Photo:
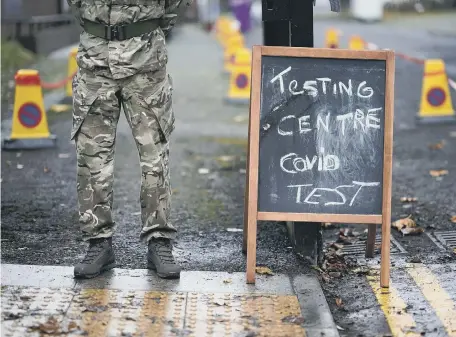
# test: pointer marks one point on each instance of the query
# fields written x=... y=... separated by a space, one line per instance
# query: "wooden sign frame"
x=251 y=214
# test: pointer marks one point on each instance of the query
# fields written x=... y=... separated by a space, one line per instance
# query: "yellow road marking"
x=441 y=302
x=90 y=309
x=393 y=306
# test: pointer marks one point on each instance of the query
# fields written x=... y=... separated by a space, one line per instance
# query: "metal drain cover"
x=447 y=239
x=359 y=248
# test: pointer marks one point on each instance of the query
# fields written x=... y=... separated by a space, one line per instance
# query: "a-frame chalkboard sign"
x=320 y=142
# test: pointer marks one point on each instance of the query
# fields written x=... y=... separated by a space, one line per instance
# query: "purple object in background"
x=241 y=9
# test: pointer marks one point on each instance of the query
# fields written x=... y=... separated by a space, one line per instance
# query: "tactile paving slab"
x=103 y=312
x=242 y=315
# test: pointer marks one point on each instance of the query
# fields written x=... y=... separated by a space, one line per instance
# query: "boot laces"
x=95 y=248
x=164 y=251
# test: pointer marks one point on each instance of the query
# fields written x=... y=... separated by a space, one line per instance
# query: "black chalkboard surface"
x=320 y=141
x=321 y=135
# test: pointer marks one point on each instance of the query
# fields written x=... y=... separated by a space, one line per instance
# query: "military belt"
x=120 y=32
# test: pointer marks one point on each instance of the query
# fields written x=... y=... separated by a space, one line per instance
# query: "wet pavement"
x=39 y=213
x=39 y=300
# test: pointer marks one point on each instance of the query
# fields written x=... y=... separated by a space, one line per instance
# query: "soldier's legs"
x=96 y=113
x=145 y=104
x=148 y=107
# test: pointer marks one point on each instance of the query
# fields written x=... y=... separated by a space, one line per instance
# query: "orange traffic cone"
x=30 y=127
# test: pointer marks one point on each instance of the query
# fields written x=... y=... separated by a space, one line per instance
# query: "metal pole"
x=290 y=23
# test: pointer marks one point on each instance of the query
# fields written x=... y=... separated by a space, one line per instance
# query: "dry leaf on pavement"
x=407 y=226
x=49 y=327
x=453 y=218
x=339 y=302
x=263 y=271
x=437 y=146
x=408 y=199
x=438 y=173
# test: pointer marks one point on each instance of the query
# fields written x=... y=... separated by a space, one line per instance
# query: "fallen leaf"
x=336 y=246
x=60 y=108
x=219 y=302
x=94 y=308
x=72 y=326
x=241 y=118
x=203 y=170
x=437 y=146
x=404 y=223
x=46 y=170
x=345 y=240
x=407 y=226
x=454 y=250
x=408 y=199
x=328 y=225
x=227 y=281
x=293 y=320
x=234 y=230
x=263 y=271
x=339 y=302
x=64 y=155
x=361 y=271
x=438 y=173
x=453 y=219
x=49 y=327
x=226 y=158
x=412 y=231
x=415 y=259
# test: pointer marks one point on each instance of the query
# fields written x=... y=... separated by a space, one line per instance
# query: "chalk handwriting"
x=323 y=84
x=292 y=163
x=331 y=196
x=358 y=120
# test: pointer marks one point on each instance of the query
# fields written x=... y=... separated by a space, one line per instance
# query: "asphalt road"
x=39 y=205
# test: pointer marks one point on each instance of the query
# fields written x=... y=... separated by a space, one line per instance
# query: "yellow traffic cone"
x=436 y=105
x=239 y=91
x=332 y=38
x=30 y=127
x=72 y=68
x=230 y=30
x=220 y=26
x=235 y=42
x=356 y=43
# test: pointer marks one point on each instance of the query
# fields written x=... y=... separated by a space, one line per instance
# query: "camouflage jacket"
x=124 y=58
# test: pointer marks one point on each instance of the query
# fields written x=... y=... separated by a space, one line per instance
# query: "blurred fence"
x=42 y=34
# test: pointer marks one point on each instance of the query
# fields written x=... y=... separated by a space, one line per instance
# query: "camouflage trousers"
x=146 y=99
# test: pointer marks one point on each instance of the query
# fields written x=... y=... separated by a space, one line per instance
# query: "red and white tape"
x=372 y=46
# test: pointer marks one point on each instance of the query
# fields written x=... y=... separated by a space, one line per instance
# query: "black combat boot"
x=160 y=258
x=99 y=258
